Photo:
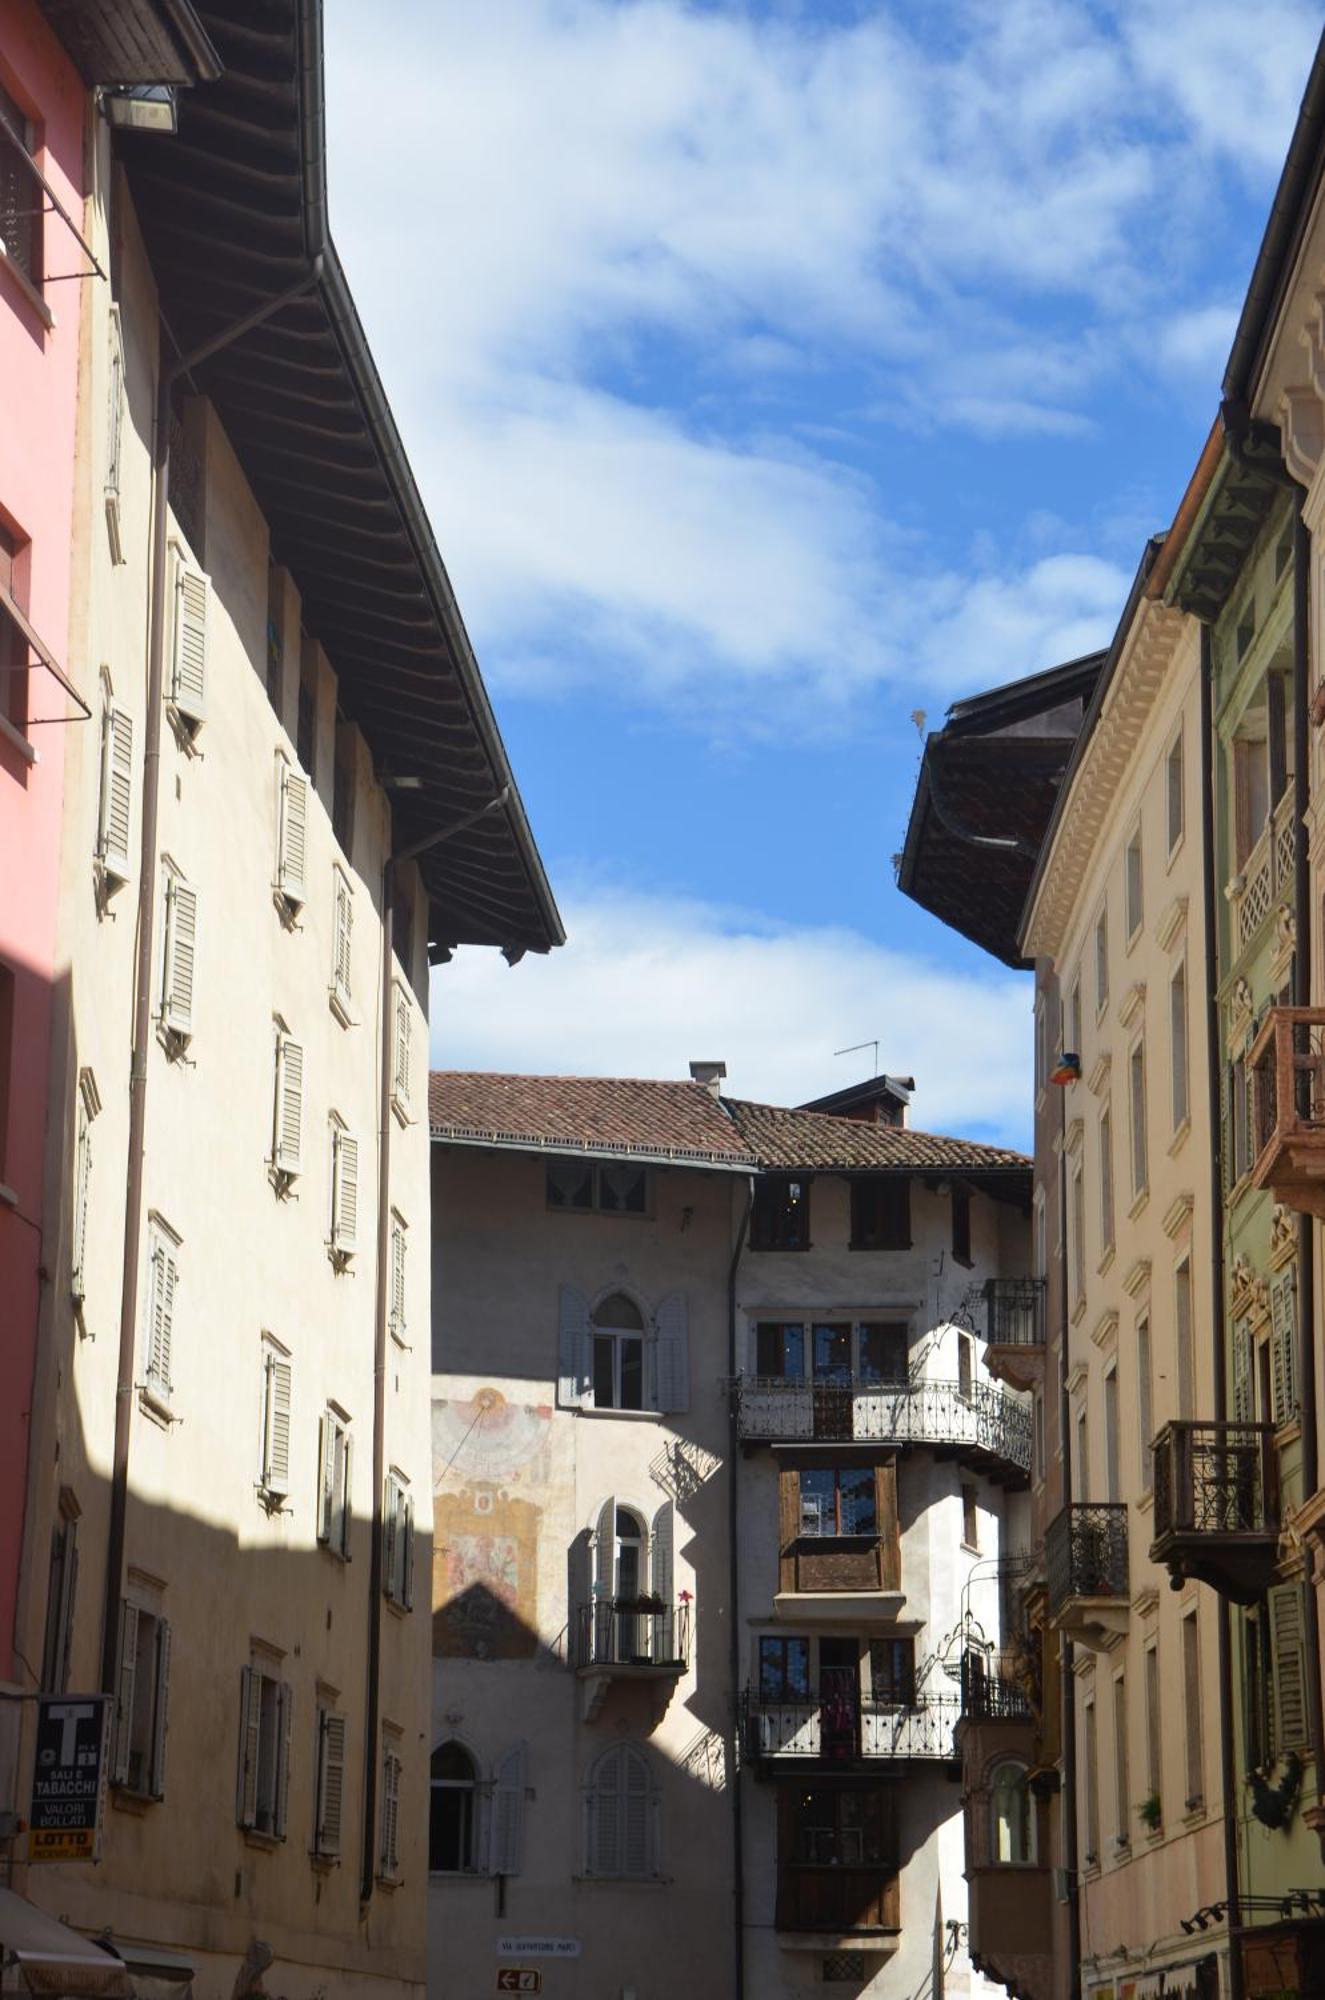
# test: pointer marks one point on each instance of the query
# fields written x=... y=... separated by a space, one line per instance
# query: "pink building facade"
x=43 y=113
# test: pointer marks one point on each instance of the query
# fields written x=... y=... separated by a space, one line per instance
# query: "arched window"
x=621 y=1837
x=454 y=1788
x=618 y=1354
x=1012 y=1814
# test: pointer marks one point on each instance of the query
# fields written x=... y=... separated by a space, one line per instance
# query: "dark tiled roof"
x=658 y=1119
x=809 y=1139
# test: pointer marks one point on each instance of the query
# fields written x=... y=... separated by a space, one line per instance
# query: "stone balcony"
x=980 y=1423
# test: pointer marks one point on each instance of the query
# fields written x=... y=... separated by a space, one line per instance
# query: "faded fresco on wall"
x=485 y=1538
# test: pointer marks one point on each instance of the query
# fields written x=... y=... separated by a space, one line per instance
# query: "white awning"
x=40 y=1955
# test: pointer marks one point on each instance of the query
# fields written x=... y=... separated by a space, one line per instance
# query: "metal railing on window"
x=1215 y=1479
x=637 y=1632
x=834 y=1727
x=983 y=1417
x=997 y=1687
x=1085 y=1552
x=1014 y=1312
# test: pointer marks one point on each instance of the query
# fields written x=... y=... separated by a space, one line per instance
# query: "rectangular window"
x=163 y=1247
x=1251 y=782
x=1041 y=1047
x=1102 y=962
x=1191 y=1690
x=403 y=1058
x=838 y=1500
x=22 y=200
x=142 y=1678
x=1154 y=1762
x=115 y=799
x=1178 y=1044
x=618 y=1364
x=1112 y=1473
x=179 y=953
x=14 y=661
x=1091 y=1800
x=1106 y=1180
x=1039 y=1436
x=784 y=1670
x=1133 y=885
x=1136 y=1086
x=961 y=1226
x=398 y=1541
x=780 y=1350
x=893 y=1672
x=344 y=1194
x=1039 y=1247
x=342 y=965
x=330 y=1789
x=189 y=633
x=306 y=722
x=335 y=1483
x=882 y=1352
x=1145 y=1408
x=1073 y=1046
x=287 y=1107
x=780 y=1219
x=274 y=1458
x=970 y=1517
x=881 y=1213
x=1077 y=1239
x=388 y=1853
x=1182 y=1332
x=1121 y=1785
x=266 y=1705
x=291 y=834
x=342 y=792
x=965 y=1365
x=396 y=1321
x=613 y=1189
x=60 y=1594
x=1173 y=798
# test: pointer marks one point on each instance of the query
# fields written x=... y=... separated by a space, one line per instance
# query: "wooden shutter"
x=673 y=1347
x=250 y=1744
x=400 y=1087
x=1242 y=1390
x=287 y=1145
x=390 y=1857
x=1288 y=1659
x=126 y=1671
x=326 y=1477
x=789 y=1524
x=161 y=1315
x=180 y=955
x=114 y=809
x=188 y=685
x=331 y=1781
x=293 y=833
x=160 y=1711
x=276 y=1441
x=114 y=437
x=1283 y=1345
x=344 y=928
x=82 y=1173
x=574 y=1369
x=890 y=1540
x=344 y=1190
x=663 y=1555
x=284 y=1719
x=604 y=1554
x=507 y=1850
x=398 y=1278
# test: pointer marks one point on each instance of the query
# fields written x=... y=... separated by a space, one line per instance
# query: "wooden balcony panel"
x=1216 y=1514
x=1288 y=1107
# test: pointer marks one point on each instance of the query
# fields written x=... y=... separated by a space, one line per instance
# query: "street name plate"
x=519 y=1979
x=68 y=1777
x=537 y=1947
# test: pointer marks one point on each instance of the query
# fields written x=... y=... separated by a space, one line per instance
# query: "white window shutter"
x=397 y=1278
x=604 y=1557
x=662 y=1554
x=331 y=1784
x=276 y=1446
x=82 y=1177
x=125 y=1678
x=344 y=1191
x=188 y=681
x=671 y=1329
x=326 y=1478
x=344 y=926
x=115 y=805
x=605 y=1815
x=161 y=1716
x=636 y=1845
x=1288 y=1658
x=507 y=1850
x=390 y=1537
x=181 y=942
x=287 y=1148
x=1242 y=1396
x=574 y=1367
x=284 y=1721
x=1283 y=1345
x=114 y=438
x=161 y=1318
x=292 y=836
x=250 y=1743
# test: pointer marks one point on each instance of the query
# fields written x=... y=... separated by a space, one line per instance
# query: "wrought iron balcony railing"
x=1014 y=1312
x=1085 y=1552
x=1217 y=1504
x=633 y=1635
x=834 y=1729
x=1287 y=1062
x=982 y=1419
x=997 y=1688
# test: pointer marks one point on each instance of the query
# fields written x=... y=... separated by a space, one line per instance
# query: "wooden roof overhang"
x=134 y=41
x=233 y=211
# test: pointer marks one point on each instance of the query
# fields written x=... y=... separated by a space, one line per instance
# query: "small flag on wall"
x=1067 y=1069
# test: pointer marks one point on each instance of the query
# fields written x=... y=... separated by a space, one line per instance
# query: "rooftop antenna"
x=861 y=1045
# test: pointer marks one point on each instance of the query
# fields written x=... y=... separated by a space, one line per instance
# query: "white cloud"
x=999 y=627
x=665 y=980
x=1234 y=73
x=1195 y=345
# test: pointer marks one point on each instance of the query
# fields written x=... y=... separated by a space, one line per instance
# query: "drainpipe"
x=1210 y=918
x=1306 y=1267
x=1067 y=1654
x=367 y=1873
x=734 y=1596
x=168 y=373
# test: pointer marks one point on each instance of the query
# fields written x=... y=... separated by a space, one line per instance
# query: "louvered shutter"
x=116 y=793
x=575 y=1350
x=284 y=1722
x=605 y=1815
x=344 y=920
x=1225 y=1129
x=161 y=1319
x=288 y=1144
x=1288 y=1657
x=345 y=1510
x=180 y=955
x=115 y=430
x=508 y=1813
x=1283 y=1345
x=663 y=1581
x=601 y=1615
x=391 y=1538
x=83 y=1171
x=188 y=687
x=398 y=1279
x=636 y=1842
x=390 y=1813
x=402 y=1048
x=331 y=1783
x=345 y=1191
x=161 y=1710
x=292 y=837
x=276 y=1452
x=407 y=1555
x=250 y=1745
x=326 y=1478
x=671 y=1330
x=1242 y=1396
x=126 y=1672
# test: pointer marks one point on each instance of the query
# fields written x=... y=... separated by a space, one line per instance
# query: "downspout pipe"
x=734 y=1597
x=394 y=862
x=1067 y=1678
x=1210 y=912
x=168 y=374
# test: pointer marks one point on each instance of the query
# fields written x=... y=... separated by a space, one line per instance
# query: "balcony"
x=1266 y=876
x=637 y=1640
x=1085 y=1552
x=981 y=1423
x=841 y=1732
x=1217 y=1506
x=998 y=1687
x=1287 y=1063
x=1014 y=1330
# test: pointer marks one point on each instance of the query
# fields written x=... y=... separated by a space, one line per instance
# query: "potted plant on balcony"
x=1151 y=1812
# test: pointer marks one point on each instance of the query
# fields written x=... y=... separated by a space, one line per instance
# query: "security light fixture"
x=143 y=107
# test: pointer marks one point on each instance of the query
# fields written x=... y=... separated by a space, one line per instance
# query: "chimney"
x=710 y=1074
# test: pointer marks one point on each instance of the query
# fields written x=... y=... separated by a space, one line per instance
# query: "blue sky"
x=773 y=374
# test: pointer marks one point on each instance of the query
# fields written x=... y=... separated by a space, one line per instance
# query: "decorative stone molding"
x=1241 y=1280
x=1178 y=1211
x=1172 y=921
x=1137 y=1278
x=1077 y=1379
x=1104 y=1333
x=1076 y=1132
x=1283 y=1235
x=1132 y=1005
x=1147 y=654
x=1099 y=1076
x=1146 y=1602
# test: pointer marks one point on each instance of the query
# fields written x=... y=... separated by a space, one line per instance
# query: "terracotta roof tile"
x=781 y=1138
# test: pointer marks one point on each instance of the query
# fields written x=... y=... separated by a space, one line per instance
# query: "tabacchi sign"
x=68 y=1777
